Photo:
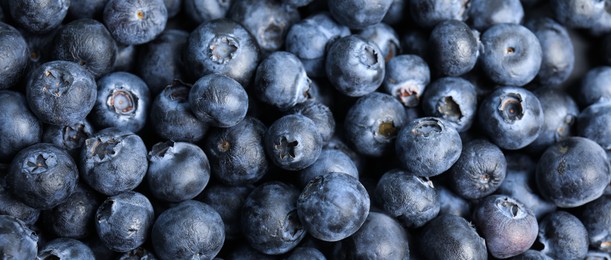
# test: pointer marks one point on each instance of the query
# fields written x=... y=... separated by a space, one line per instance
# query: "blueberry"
x=333 y=206
x=123 y=221
x=74 y=217
x=38 y=16
x=451 y=203
x=122 y=101
x=281 y=80
x=191 y=229
x=578 y=13
x=560 y=114
x=207 y=10
x=380 y=237
x=453 y=99
x=66 y=248
x=480 y=170
x=573 y=172
x=485 y=13
x=511 y=54
x=451 y=237
x=61 y=92
x=228 y=202
x=160 y=61
x=595 y=86
x=69 y=137
x=385 y=37
x=532 y=255
x=218 y=100
x=137 y=254
x=596 y=217
x=12 y=206
x=330 y=160
x=177 y=171
x=293 y=142
x=428 y=146
x=15 y=59
x=355 y=66
x=563 y=236
x=306 y=253
x=19 y=128
x=92 y=9
x=427 y=13
x=454 y=48
x=16 y=239
x=358 y=14
x=320 y=114
x=406 y=78
x=113 y=161
x=135 y=22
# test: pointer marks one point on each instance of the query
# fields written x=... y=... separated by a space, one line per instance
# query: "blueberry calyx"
x=369 y=57
x=223 y=49
x=57 y=82
x=273 y=32
x=160 y=150
x=73 y=136
x=428 y=127
x=450 y=109
x=179 y=94
x=286 y=148
x=387 y=129
x=511 y=108
x=40 y=163
x=105 y=210
x=291 y=227
x=224 y=146
x=425 y=181
x=123 y=101
x=140 y=15
x=408 y=94
x=102 y=148
x=510 y=208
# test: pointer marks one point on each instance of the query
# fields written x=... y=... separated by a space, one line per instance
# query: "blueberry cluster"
x=305 y=129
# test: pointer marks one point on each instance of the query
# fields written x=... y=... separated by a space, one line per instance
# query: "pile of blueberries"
x=305 y=129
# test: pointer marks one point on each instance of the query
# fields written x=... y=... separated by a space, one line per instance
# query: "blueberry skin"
x=453 y=99
x=508 y=226
x=42 y=176
x=309 y=38
x=203 y=11
x=14 y=59
x=191 y=229
x=224 y=47
x=358 y=14
x=333 y=206
x=406 y=78
x=487 y=13
x=306 y=253
x=380 y=237
x=228 y=202
x=563 y=236
x=138 y=254
x=330 y=160
x=451 y=203
x=218 y=100
x=558 y=53
x=74 y=217
x=172 y=117
x=573 y=172
x=479 y=171
x=532 y=255
x=135 y=22
x=451 y=237
x=578 y=13
x=355 y=66
x=372 y=123
x=123 y=101
x=92 y=9
x=19 y=128
x=453 y=47
x=160 y=60
x=512 y=54
x=66 y=248
x=293 y=142
x=177 y=171
x=113 y=161
x=385 y=37
x=88 y=43
x=511 y=117
x=596 y=217
x=427 y=13
x=560 y=113
x=38 y=16
x=281 y=80
x=412 y=200
x=237 y=154
x=123 y=221
x=68 y=137
x=428 y=146
x=61 y=92
x=16 y=239
x=595 y=86
x=12 y=206
x=321 y=115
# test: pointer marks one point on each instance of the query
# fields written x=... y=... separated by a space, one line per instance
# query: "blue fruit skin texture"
x=281 y=80
x=411 y=199
x=269 y=218
x=293 y=142
x=42 y=176
x=380 y=237
x=203 y=11
x=406 y=78
x=19 y=128
x=385 y=37
x=451 y=237
x=61 y=92
x=578 y=13
x=330 y=160
x=486 y=13
x=309 y=38
x=321 y=115
x=306 y=253
x=237 y=154
x=372 y=123
x=573 y=172
x=428 y=146
x=454 y=48
x=68 y=137
x=558 y=53
x=113 y=161
x=355 y=66
x=139 y=253
x=427 y=13
x=66 y=248
x=508 y=226
x=453 y=99
x=38 y=16
x=16 y=239
x=86 y=9
x=563 y=236
x=172 y=116
x=452 y=204
x=479 y=171
x=123 y=101
x=595 y=86
x=74 y=217
x=228 y=202
x=218 y=100
x=596 y=217
x=358 y=14
x=177 y=171
x=160 y=61
x=123 y=221
x=190 y=229
x=511 y=54
x=511 y=117
x=560 y=114
x=333 y=206
x=135 y=22
x=224 y=47
x=10 y=205
x=14 y=58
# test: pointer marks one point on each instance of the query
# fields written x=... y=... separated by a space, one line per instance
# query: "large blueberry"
x=453 y=99
x=38 y=16
x=16 y=239
x=454 y=48
x=358 y=14
x=134 y=21
x=19 y=128
x=281 y=80
x=218 y=100
x=563 y=236
x=15 y=59
x=406 y=78
x=293 y=142
x=380 y=237
x=451 y=237
x=480 y=169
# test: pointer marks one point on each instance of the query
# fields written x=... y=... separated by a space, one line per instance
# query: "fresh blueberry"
x=532 y=255
x=38 y=16
x=123 y=221
x=595 y=86
x=19 y=128
x=380 y=237
x=453 y=99
x=451 y=203
x=559 y=112
x=563 y=236
x=16 y=239
x=191 y=229
x=14 y=60
x=428 y=146
x=293 y=142
x=385 y=37
x=427 y=13
x=480 y=170
x=134 y=21
x=92 y=9
x=65 y=248
x=139 y=253
x=511 y=54
x=355 y=66
x=358 y=14
x=42 y=176
x=73 y=218
x=122 y=101
x=451 y=237
x=69 y=137
x=406 y=78
x=320 y=114
x=177 y=171
x=160 y=61
x=228 y=202
x=596 y=217
x=484 y=13
x=578 y=13
x=218 y=100
x=306 y=253
x=12 y=206
x=200 y=11
x=330 y=160
x=113 y=161
x=454 y=48
x=61 y=92
x=281 y=80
